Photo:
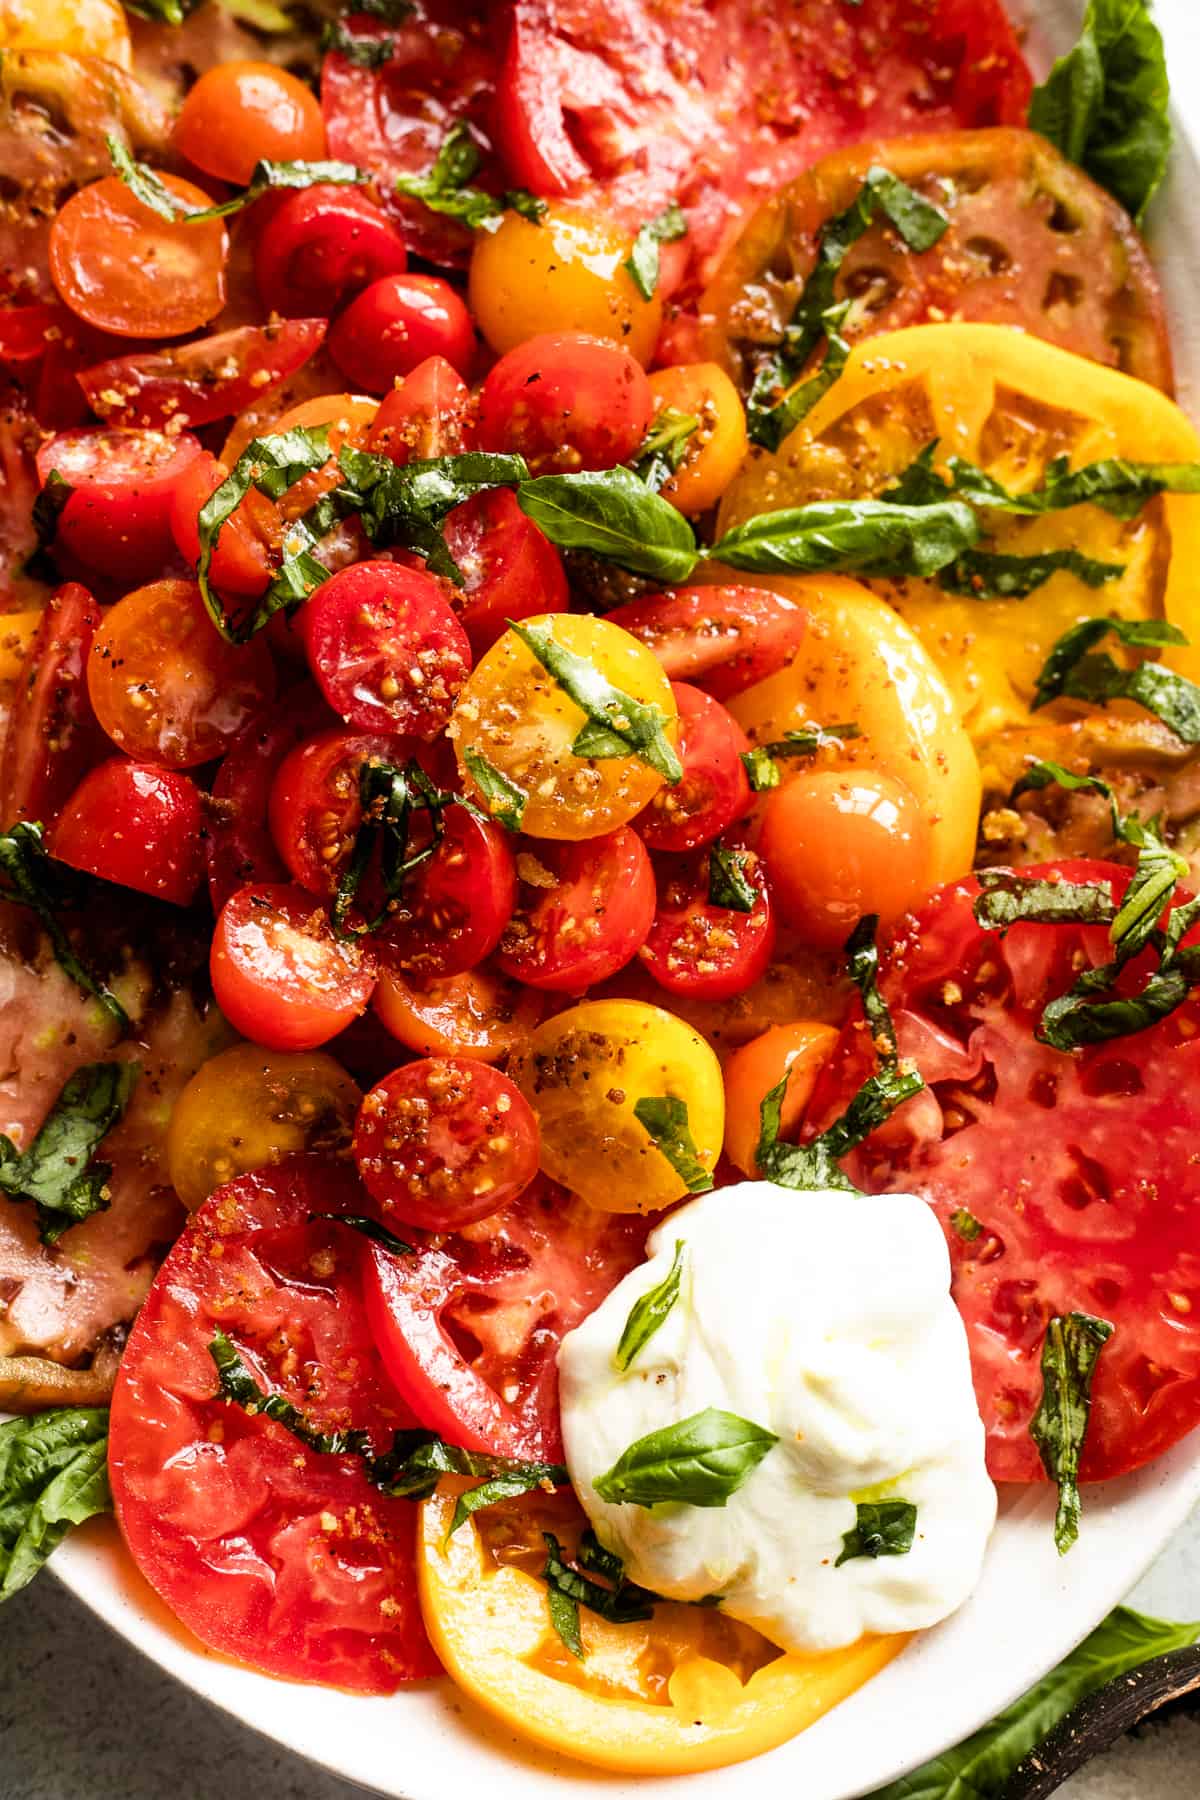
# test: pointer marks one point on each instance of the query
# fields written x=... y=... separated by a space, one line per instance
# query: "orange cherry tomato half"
x=798 y=1052
x=280 y=975
x=480 y=1013
x=241 y=113
x=137 y=825
x=125 y=270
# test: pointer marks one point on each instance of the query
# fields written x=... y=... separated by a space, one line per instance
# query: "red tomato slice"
x=193 y=384
x=280 y=975
x=320 y=246
x=454 y=906
x=704 y=952
x=725 y=638
x=247 y=547
x=118 y=518
x=239 y=846
x=125 y=270
x=469 y=1326
x=276 y=1555
x=315 y=809
x=1077 y=1168
x=424 y=415
x=566 y=401
x=583 y=909
x=137 y=825
x=52 y=737
x=715 y=789
x=510 y=570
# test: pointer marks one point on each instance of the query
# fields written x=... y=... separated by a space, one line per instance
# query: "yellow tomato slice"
x=686 y=1691
x=84 y=27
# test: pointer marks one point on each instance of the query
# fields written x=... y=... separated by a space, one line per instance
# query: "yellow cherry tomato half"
x=517 y=716
x=584 y=1072
x=248 y=1108
x=798 y=1051
x=684 y=1691
x=564 y=272
x=712 y=453
x=83 y=27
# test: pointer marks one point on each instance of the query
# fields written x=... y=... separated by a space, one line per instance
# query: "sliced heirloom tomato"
x=137 y=825
x=724 y=638
x=280 y=975
x=210 y=378
x=582 y=911
x=715 y=790
x=108 y=252
x=1067 y=1173
x=281 y=1557
x=117 y=518
x=469 y=1324
x=698 y=948
x=52 y=737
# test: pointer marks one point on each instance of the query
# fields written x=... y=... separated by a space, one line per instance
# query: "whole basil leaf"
x=1070 y=1351
x=871 y=537
x=614 y=515
x=701 y=1461
x=881 y=1528
x=618 y=724
x=57 y=1174
x=30 y=878
x=649 y=1311
x=53 y=1474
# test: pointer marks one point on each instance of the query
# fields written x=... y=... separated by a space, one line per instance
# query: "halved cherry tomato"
x=798 y=1052
x=247 y=543
x=315 y=809
x=469 y=1326
x=582 y=911
x=118 y=517
x=714 y=450
x=193 y=384
x=445 y=1141
x=239 y=846
x=385 y=648
x=241 y=113
x=566 y=401
x=108 y=254
x=166 y=685
x=268 y=1551
x=137 y=825
x=423 y=415
x=391 y=327
x=320 y=246
x=280 y=975
x=510 y=570
x=698 y=949
x=715 y=790
x=23 y=331
x=52 y=737
x=479 y=1013
x=455 y=906
x=726 y=638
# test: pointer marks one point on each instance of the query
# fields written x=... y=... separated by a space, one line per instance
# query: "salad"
x=598 y=832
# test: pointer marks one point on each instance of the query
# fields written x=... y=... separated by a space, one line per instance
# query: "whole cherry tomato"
x=393 y=325
x=566 y=401
x=241 y=113
x=137 y=825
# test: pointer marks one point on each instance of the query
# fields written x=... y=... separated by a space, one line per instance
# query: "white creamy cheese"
x=825 y=1318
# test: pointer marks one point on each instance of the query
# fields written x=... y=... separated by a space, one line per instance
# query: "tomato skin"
x=715 y=790
x=385 y=648
x=391 y=327
x=249 y=1536
x=582 y=916
x=193 y=384
x=279 y=974
x=724 y=638
x=239 y=846
x=241 y=113
x=566 y=401
x=455 y=906
x=137 y=825
x=23 y=331
x=479 y=1013
x=701 y=951
x=320 y=246
x=52 y=736
x=799 y=1052
x=241 y=560
x=314 y=806
x=107 y=253
x=118 y=519
x=717 y=447
x=511 y=570
x=424 y=415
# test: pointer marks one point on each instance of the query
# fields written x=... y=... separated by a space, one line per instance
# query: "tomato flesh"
x=696 y=949
x=193 y=384
x=479 y=1013
x=315 y=806
x=239 y=847
x=52 y=737
x=280 y=975
x=715 y=790
x=137 y=825
x=424 y=415
x=320 y=246
x=724 y=638
x=454 y=907
x=117 y=520
x=583 y=909
x=108 y=253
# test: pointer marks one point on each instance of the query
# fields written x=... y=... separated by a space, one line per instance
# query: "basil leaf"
x=872 y=537
x=53 y=1474
x=1044 y=774
x=162 y=12
x=965 y=1224
x=568 y=1590
x=882 y=1528
x=564 y=1613
x=56 y=1173
x=360 y=52
x=661 y=452
x=143 y=183
x=392 y=12
x=728 y=885
x=407 y=504
x=862 y=966
x=505 y=800
x=28 y=877
x=643 y=261
x=701 y=1461
x=1119 y=487
x=266 y=177
x=368 y=1228
x=237 y=1385
x=1105 y=104
x=982 y=1764
x=769 y=425
x=445 y=188
x=1070 y=1351
x=991 y=575
x=1073 y=670
x=1158 y=870
x=614 y=515
x=618 y=725
x=648 y=1312
x=520 y=1479
x=1075 y=1020
x=1008 y=899
x=272 y=465
x=388 y=798
x=760 y=762
x=666 y=1120
x=520 y=200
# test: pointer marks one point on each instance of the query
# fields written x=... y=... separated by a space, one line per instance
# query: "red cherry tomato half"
x=109 y=255
x=193 y=384
x=385 y=648
x=23 y=331
x=240 y=848
x=52 y=737
x=244 y=554
x=322 y=245
x=137 y=825
x=715 y=790
x=393 y=325
x=315 y=809
x=726 y=638
x=510 y=570
x=274 y=1554
x=566 y=401
x=424 y=415
x=444 y=1141
x=166 y=685
x=118 y=517
x=453 y=907
x=583 y=910
x=469 y=1326
x=280 y=975
x=701 y=951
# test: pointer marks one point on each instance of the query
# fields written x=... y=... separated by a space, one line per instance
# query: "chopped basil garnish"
x=1008 y=898
x=563 y=1607
x=57 y=1174
x=267 y=177
x=869 y=537
x=624 y=1603
x=643 y=262
x=47 y=511
x=445 y=187
x=406 y=504
x=761 y=762
x=965 y=1224
x=1070 y=1352
x=238 y=1385
x=1076 y=670
x=1117 y=486
x=530 y=206
x=28 y=877
x=648 y=1312
x=362 y=52
x=615 y=515
x=661 y=452
x=882 y=1528
x=505 y=800
x=728 y=883
x=53 y=1474
x=992 y=575
x=701 y=1461
x=666 y=1120
x=618 y=724
x=368 y=1228
x=389 y=797
x=272 y=465
x=770 y=425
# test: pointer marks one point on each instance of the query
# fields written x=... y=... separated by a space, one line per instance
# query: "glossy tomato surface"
x=239 y=846
x=510 y=570
x=51 y=737
x=566 y=401
x=136 y=824
x=320 y=247
x=724 y=638
x=715 y=790
x=582 y=911
x=209 y=378
x=117 y=516
x=699 y=946
x=280 y=974
x=452 y=908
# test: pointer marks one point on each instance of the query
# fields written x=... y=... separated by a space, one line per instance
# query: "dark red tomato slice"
x=137 y=825
x=280 y=975
x=725 y=638
x=1078 y=1168
x=248 y=544
x=239 y=846
x=395 y=325
x=385 y=648
x=271 y=1553
x=510 y=570
x=582 y=911
x=20 y=436
x=453 y=907
x=566 y=401
x=52 y=737
x=393 y=119
x=715 y=790
x=314 y=808
x=320 y=246
x=445 y=1141
x=210 y=378
x=469 y=1327
x=701 y=951
x=423 y=415
x=118 y=517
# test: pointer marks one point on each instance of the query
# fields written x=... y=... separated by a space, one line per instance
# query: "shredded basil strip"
x=728 y=884
x=388 y=798
x=505 y=801
x=994 y=575
x=407 y=503
x=147 y=186
x=271 y=464
x=761 y=762
x=881 y=1528
x=665 y=1118
x=47 y=511
x=1070 y=1352
x=28 y=877
x=567 y=1590
x=368 y=1228
x=701 y=1461
x=53 y=1474
x=618 y=724
x=642 y=264
x=1118 y=486
x=613 y=514
x=1076 y=670
x=57 y=1173
x=662 y=451
x=445 y=187
x=649 y=1311
x=1008 y=898
x=361 y=52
